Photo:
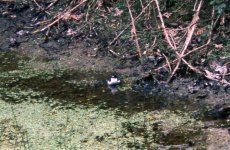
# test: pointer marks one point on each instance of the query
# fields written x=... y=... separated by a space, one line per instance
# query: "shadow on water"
x=71 y=88
x=90 y=88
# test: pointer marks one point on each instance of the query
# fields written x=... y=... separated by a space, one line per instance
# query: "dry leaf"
x=76 y=17
x=70 y=32
x=172 y=32
x=118 y=12
x=218 y=46
x=167 y=14
x=99 y=3
x=222 y=20
x=211 y=75
x=225 y=82
x=102 y=14
x=222 y=69
x=199 y=31
x=66 y=16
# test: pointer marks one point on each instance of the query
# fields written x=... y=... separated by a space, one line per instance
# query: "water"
x=141 y=120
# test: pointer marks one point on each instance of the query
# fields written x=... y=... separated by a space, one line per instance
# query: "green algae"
x=43 y=106
x=42 y=127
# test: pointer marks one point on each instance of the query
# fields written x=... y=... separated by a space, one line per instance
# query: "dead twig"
x=134 y=33
x=171 y=42
x=114 y=53
x=191 y=30
x=209 y=75
x=198 y=48
x=51 y=4
x=168 y=63
x=163 y=25
x=142 y=6
x=39 y=6
x=118 y=36
x=59 y=17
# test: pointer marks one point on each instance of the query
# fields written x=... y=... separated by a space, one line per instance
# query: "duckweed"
x=43 y=107
x=38 y=126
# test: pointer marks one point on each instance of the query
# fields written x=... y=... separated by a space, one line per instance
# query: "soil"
x=82 y=52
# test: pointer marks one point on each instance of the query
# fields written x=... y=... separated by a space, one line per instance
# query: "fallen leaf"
x=172 y=32
x=225 y=82
x=70 y=32
x=211 y=75
x=167 y=14
x=66 y=16
x=76 y=17
x=118 y=12
x=218 y=46
x=222 y=69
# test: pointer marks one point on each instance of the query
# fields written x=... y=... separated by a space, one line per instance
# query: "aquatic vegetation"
x=87 y=127
x=44 y=107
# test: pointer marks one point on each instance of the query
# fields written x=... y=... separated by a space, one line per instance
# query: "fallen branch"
x=180 y=56
x=192 y=51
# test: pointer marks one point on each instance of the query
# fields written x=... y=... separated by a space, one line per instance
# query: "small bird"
x=113 y=81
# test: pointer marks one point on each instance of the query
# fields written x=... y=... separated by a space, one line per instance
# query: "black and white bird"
x=113 y=81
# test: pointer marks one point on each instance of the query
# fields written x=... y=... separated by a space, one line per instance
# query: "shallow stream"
x=43 y=106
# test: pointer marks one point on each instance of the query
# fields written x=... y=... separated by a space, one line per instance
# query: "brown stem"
x=143 y=10
x=134 y=33
x=60 y=17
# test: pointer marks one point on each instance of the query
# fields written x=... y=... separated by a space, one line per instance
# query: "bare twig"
x=163 y=25
x=51 y=4
x=59 y=17
x=191 y=30
x=194 y=8
x=182 y=54
x=198 y=48
x=205 y=73
x=192 y=51
x=118 y=36
x=38 y=4
x=114 y=53
x=168 y=63
x=142 y=6
x=154 y=42
x=134 y=33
